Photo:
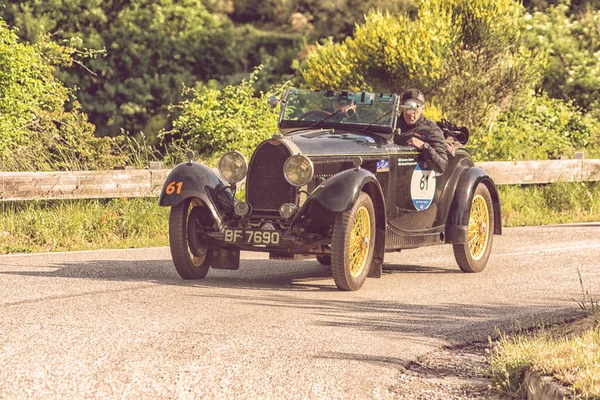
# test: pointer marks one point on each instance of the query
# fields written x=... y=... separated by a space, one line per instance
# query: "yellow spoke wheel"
x=478 y=231
x=352 y=244
x=359 y=242
x=473 y=255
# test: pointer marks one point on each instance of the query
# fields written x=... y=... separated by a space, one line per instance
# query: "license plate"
x=252 y=237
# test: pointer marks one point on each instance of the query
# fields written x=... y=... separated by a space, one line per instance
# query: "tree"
x=212 y=121
x=152 y=47
x=467 y=54
x=572 y=44
x=37 y=132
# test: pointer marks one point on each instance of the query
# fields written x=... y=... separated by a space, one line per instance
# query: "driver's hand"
x=345 y=108
x=418 y=143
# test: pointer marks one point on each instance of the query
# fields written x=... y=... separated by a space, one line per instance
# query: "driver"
x=421 y=132
x=344 y=107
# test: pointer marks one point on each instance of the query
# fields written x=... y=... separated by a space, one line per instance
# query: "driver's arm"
x=435 y=151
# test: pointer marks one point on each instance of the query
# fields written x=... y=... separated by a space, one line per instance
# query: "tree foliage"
x=155 y=46
x=572 y=44
x=468 y=54
x=212 y=121
x=537 y=127
x=37 y=132
x=314 y=18
x=482 y=64
x=152 y=47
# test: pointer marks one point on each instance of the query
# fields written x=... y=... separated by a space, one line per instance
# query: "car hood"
x=334 y=142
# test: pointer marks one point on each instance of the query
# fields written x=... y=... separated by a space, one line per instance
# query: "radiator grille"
x=266 y=188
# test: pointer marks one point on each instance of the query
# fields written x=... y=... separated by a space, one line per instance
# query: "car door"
x=413 y=192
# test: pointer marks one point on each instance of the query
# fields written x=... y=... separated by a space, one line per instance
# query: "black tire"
x=324 y=260
x=352 y=244
x=190 y=251
x=473 y=255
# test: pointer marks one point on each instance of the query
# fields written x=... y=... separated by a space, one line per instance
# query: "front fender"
x=339 y=192
x=197 y=180
x=458 y=217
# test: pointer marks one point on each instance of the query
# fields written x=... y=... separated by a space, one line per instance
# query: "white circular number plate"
x=422 y=187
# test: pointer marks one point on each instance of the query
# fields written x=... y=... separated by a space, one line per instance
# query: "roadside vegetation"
x=41 y=226
x=557 y=203
x=104 y=84
x=567 y=352
x=38 y=226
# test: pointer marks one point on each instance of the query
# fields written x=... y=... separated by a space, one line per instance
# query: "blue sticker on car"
x=383 y=166
x=369 y=139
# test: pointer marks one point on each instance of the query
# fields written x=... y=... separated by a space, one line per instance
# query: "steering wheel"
x=315 y=113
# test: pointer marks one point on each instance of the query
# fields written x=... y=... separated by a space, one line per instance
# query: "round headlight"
x=233 y=166
x=242 y=208
x=298 y=170
x=287 y=210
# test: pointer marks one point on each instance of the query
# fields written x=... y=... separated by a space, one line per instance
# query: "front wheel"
x=352 y=244
x=190 y=249
x=473 y=255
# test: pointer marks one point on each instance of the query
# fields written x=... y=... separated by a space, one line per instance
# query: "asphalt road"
x=122 y=324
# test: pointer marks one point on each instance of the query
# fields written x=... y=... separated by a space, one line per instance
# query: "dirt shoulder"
x=461 y=372
x=447 y=374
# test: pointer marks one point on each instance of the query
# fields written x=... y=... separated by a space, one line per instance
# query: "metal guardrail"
x=148 y=183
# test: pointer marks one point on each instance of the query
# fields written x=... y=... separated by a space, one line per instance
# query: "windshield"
x=324 y=108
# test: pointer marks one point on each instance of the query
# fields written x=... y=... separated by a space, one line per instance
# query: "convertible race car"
x=331 y=184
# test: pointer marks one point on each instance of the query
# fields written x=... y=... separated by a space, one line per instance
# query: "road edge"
x=541 y=387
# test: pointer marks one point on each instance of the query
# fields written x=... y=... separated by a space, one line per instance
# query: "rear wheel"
x=190 y=248
x=473 y=255
x=352 y=244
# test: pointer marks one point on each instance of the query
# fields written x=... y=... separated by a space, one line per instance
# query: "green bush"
x=536 y=128
x=213 y=121
x=152 y=47
x=572 y=44
x=37 y=130
x=468 y=55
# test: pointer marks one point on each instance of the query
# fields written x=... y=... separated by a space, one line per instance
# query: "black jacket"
x=427 y=131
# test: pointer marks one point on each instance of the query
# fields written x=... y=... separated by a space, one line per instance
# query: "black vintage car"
x=330 y=184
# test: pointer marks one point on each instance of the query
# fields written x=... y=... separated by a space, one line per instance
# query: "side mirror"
x=272 y=101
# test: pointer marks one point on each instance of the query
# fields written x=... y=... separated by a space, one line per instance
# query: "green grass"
x=569 y=353
x=37 y=226
x=555 y=203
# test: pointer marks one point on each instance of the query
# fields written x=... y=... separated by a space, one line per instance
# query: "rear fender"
x=196 y=180
x=458 y=217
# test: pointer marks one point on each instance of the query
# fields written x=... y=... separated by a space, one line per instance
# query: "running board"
x=396 y=239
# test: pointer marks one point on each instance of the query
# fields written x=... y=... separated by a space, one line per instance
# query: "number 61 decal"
x=174 y=187
x=422 y=187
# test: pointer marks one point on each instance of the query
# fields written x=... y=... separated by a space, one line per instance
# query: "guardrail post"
x=580 y=156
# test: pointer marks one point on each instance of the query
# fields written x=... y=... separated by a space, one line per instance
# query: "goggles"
x=410 y=106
